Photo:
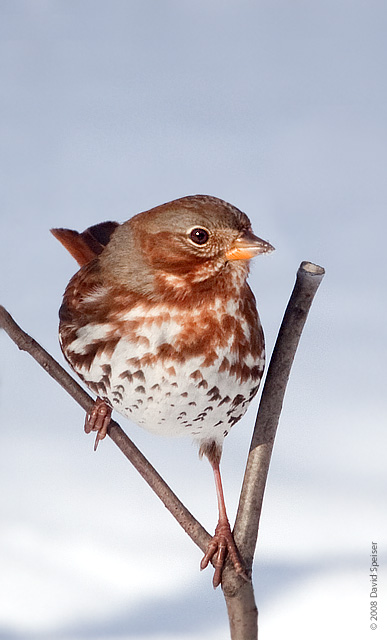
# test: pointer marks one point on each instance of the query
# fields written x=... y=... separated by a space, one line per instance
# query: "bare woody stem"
x=239 y=596
x=25 y=343
x=309 y=277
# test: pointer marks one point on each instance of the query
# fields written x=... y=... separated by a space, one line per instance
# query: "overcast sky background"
x=279 y=107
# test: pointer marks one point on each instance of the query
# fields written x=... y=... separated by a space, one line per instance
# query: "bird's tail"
x=87 y=245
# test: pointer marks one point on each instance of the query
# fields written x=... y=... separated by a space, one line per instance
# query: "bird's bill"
x=247 y=246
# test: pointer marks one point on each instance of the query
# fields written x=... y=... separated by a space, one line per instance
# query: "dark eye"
x=199 y=236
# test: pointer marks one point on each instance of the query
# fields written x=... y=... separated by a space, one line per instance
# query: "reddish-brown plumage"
x=85 y=246
x=161 y=324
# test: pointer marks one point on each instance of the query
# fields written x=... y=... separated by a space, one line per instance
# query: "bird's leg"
x=223 y=541
x=98 y=419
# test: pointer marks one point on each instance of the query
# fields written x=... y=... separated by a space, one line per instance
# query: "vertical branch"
x=309 y=277
x=239 y=595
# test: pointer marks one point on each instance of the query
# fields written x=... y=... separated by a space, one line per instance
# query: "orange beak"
x=247 y=246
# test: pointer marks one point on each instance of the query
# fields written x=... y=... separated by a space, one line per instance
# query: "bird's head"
x=180 y=245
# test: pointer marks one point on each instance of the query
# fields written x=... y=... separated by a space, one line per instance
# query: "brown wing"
x=87 y=245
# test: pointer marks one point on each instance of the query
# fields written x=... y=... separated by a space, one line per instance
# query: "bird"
x=161 y=325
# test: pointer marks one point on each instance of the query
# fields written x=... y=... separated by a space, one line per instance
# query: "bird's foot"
x=219 y=546
x=98 y=419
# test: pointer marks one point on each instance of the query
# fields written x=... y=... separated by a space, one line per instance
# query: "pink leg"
x=223 y=541
x=98 y=419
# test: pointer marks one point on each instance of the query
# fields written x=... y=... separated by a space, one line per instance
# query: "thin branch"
x=239 y=596
x=187 y=521
x=309 y=277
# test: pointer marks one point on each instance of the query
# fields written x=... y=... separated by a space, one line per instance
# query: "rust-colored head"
x=174 y=246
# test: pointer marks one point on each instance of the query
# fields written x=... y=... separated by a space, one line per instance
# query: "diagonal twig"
x=190 y=525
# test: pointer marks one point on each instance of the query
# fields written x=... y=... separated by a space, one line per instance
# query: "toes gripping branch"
x=98 y=419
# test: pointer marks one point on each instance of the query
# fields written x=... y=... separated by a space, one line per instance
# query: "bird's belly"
x=177 y=398
x=176 y=406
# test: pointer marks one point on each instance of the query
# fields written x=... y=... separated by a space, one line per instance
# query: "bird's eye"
x=199 y=236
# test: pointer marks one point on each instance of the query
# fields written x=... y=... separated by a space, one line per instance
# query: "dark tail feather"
x=87 y=245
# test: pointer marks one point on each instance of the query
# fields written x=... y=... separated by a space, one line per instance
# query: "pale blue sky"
x=110 y=108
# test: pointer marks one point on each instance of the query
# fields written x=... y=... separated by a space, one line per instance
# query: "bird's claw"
x=98 y=419
x=219 y=546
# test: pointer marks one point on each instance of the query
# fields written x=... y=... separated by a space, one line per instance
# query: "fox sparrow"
x=160 y=323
